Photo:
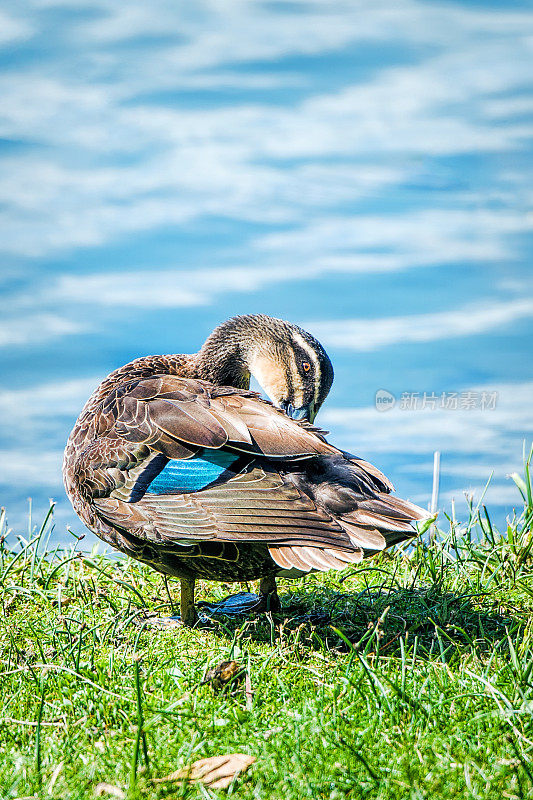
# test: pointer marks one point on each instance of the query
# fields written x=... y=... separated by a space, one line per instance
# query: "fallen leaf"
x=108 y=788
x=222 y=674
x=217 y=772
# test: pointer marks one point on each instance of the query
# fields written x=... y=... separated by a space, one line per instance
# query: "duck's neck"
x=224 y=358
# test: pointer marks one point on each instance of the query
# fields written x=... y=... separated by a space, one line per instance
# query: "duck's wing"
x=178 y=462
x=169 y=412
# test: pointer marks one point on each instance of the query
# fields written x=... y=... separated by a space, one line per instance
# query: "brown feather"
x=278 y=554
x=294 y=560
x=349 y=558
x=360 y=517
x=367 y=538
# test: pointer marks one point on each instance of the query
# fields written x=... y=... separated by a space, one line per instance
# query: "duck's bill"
x=306 y=412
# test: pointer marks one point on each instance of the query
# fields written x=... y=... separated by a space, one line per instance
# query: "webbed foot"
x=241 y=603
x=188 y=616
x=235 y=605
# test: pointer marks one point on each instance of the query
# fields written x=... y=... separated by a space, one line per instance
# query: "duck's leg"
x=188 y=615
x=268 y=594
x=187 y=609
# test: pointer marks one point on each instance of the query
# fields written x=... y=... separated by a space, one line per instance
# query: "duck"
x=175 y=462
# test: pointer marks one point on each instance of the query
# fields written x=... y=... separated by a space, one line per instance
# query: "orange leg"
x=187 y=609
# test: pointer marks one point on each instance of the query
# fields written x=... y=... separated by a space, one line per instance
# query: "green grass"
x=410 y=676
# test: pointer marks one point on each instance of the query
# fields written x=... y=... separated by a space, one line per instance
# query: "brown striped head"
x=291 y=366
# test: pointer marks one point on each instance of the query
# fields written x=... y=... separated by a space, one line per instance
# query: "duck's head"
x=291 y=366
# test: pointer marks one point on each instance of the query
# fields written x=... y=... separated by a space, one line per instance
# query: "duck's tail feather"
x=381 y=521
x=309 y=559
x=374 y=525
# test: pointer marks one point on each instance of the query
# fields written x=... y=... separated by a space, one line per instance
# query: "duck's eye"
x=306 y=366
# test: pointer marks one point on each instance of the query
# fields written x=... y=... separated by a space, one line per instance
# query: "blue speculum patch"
x=192 y=475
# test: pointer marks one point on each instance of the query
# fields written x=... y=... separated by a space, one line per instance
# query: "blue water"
x=363 y=169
